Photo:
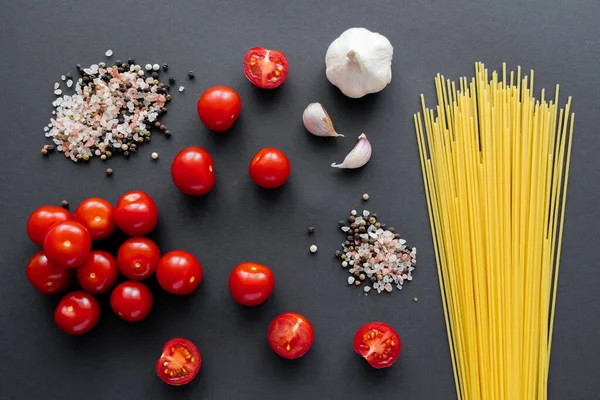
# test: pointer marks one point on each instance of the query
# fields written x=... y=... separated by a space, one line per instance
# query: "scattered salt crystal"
x=366 y=213
x=108 y=53
x=69 y=83
x=388 y=287
x=58 y=92
x=367 y=289
x=181 y=88
x=62 y=77
x=351 y=280
x=345 y=228
x=56 y=85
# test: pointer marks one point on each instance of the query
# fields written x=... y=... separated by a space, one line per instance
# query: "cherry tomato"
x=136 y=214
x=131 y=301
x=77 y=313
x=67 y=244
x=290 y=335
x=98 y=216
x=219 y=107
x=45 y=277
x=378 y=343
x=98 y=273
x=179 y=272
x=137 y=258
x=179 y=362
x=193 y=171
x=266 y=69
x=269 y=168
x=41 y=220
x=251 y=284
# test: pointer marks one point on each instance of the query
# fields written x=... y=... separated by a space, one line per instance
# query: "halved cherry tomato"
x=136 y=213
x=219 y=107
x=378 y=343
x=67 y=244
x=137 y=258
x=41 y=220
x=131 y=300
x=179 y=272
x=179 y=362
x=266 y=69
x=98 y=216
x=45 y=277
x=77 y=313
x=290 y=335
x=98 y=273
x=269 y=168
x=251 y=284
x=193 y=171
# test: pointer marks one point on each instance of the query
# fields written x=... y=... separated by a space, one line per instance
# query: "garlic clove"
x=358 y=156
x=317 y=121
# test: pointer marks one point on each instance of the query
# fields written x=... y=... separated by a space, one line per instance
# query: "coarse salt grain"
x=108 y=53
x=69 y=83
x=58 y=92
x=181 y=88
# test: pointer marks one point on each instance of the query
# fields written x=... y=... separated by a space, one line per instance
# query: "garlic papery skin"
x=317 y=121
x=359 y=62
x=358 y=156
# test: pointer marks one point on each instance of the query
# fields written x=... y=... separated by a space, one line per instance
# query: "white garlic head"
x=359 y=62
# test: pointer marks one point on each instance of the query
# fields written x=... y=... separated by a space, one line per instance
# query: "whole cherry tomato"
x=98 y=273
x=266 y=69
x=269 y=168
x=290 y=335
x=219 y=107
x=179 y=362
x=179 y=272
x=77 y=313
x=45 y=277
x=193 y=171
x=137 y=258
x=136 y=214
x=41 y=220
x=67 y=244
x=251 y=284
x=98 y=216
x=131 y=301
x=378 y=343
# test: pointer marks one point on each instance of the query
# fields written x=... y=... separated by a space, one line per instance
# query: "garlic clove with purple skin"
x=358 y=156
x=317 y=121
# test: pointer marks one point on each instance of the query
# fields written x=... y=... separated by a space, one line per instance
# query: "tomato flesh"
x=136 y=213
x=179 y=362
x=193 y=171
x=77 y=313
x=378 y=343
x=137 y=258
x=270 y=168
x=41 y=220
x=67 y=244
x=251 y=284
x=265 y=68
x=179 y=272
x=290 y=335
x=218 y=108
x=98 y=216
x=45 y=277
x=98 y=273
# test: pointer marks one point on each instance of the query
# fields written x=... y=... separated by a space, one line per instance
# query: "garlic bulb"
x=358 y=156
x=317 y=121
x=359 y=62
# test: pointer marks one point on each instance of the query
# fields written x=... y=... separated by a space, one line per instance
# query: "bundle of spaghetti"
x=495 y=165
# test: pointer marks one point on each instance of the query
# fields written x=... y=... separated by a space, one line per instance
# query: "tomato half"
x=41 y=220
x=265 y=68
x=179 y=362
x=251 y=284
x=131 y=300
x=136 y=213
x=98 y=273
x=290 y=335
x=137 y=258
x=378 y=343
x=98 y=216
x=77 y=313
x=219 y=107
x=179 y=272
x=45 y=277
x=269 y=168
x=67 y=244
x=193 y=171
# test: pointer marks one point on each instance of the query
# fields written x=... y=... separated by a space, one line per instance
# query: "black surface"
x=40 y=40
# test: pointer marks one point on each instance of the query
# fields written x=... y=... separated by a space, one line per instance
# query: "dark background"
x=236 y=222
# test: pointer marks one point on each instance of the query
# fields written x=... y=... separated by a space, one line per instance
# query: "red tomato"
x=77 y=313
x=67 y=244
x=193 y=171
x=251 y=284
x=269 y=168
x=219 y=107
x=266 y=69
x=378 y=343
x=137 y=258
x=136 y=214
x=98 y=273
x=179 y=362
x=131 y=301
x=41 y=220
x=290 y=335
x=179 y=272
x=45 y=277
x=98 y=216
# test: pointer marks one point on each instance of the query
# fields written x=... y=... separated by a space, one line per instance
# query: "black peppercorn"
x=338 y=253
x=349 y=238
x=155 y=74
x=165 y=67
x=162 y=128
x=311 y=229
x=109 y=172
x=64 y=204
x=168 y=133
x=341 y=223
x=191 y=74
x=351 y=218
x=128 y=85
x=171 y=80
x=131 y=61
x=391 y=229
x=69 y=76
